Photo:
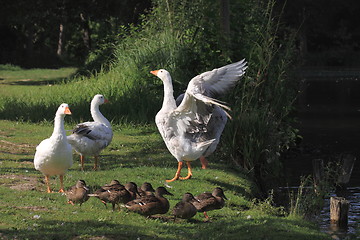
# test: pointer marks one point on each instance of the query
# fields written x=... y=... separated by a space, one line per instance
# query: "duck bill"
x=155 y=72
x=67 y=111
x=106 y=101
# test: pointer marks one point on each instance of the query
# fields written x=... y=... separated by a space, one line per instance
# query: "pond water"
x=327 y=137
x=353 y=230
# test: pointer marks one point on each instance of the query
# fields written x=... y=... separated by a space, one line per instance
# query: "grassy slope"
x=136 y=154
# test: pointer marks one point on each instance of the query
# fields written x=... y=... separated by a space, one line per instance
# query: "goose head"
x=99 y=99
x=63 y=110
x=162 y=74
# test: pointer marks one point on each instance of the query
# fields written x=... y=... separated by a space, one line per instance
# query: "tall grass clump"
x=261 y=126
x=308 y=199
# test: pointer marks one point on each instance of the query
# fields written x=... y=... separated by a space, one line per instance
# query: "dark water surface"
x=327 y=137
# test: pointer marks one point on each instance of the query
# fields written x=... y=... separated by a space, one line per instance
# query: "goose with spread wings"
x=184 y=128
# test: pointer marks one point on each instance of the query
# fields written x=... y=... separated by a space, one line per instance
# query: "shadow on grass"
x=90 y=229
x=166 y=228
x=30 y=82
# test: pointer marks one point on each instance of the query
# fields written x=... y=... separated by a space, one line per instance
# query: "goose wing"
x=195 y=110
x=93 y=131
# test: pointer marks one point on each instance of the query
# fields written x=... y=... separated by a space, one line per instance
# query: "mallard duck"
x=77 y=193
x=90 y=138
x=185 y=209
x=215 y=127
x=113 y=193
x=146 y=189
x=210 y=201
x=132 y=188
x=53 y=155
x=151 y=205
x=184 y=128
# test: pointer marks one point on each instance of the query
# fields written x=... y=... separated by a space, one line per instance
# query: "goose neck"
x=169 y=100
x=97 y=115
x=59 y=129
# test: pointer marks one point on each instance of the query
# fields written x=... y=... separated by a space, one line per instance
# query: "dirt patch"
x=20 y=182
x=15 y=148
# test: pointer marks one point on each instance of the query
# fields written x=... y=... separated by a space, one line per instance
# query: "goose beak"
x=106 y=101
x=155 y=72
x=67 y=111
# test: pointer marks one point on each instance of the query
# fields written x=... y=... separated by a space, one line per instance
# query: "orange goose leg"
x=47 y=183
x=204 y=162
x=96 y=163
x=61 y=183
x=177 y=174
x=189 y=172
x=82 y=158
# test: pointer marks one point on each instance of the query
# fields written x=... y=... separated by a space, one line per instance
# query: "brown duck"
x=210 y=201
x=113 y=193
x=151 y=205
x=132 y=188
x=146 y=189
x=185 y=209
x=77 y=193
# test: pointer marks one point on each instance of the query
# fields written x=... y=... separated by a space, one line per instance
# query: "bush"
x=261 y=127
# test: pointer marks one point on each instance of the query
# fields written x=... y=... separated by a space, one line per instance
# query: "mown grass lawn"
x=136 y=154
x=16 y=82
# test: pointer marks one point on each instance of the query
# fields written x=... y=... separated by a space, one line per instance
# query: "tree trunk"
x=30 y=44
x=86 y=31
x=318 y=173
x=225 y=23
x=60 y=48
x=303 y=42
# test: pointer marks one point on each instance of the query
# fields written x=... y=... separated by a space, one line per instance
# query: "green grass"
x=15 y=82
x=136 y=154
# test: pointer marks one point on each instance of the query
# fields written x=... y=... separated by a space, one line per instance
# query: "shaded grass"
x=136 y=154
x=15 y=82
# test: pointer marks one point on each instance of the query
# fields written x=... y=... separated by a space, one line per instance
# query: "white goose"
x=215 y=127
x=184 y=129
x=53 y=155
x=90 y=138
